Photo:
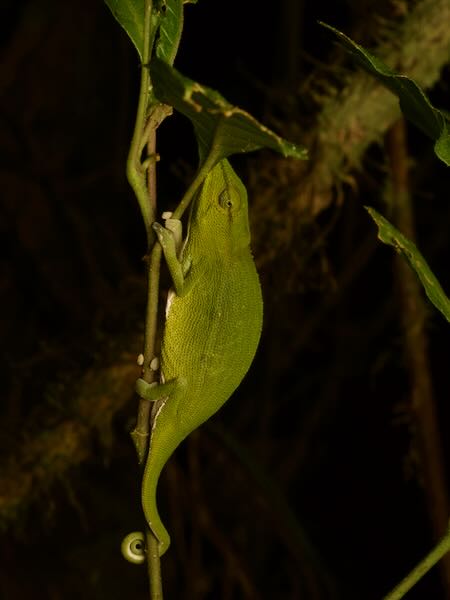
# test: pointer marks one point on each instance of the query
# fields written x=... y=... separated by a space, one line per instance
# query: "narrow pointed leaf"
x=414 y=103
x=388 y=234
x=130 y=15
x=170 y=31
x=220 y=127
x=442 y=145
x=166 y=14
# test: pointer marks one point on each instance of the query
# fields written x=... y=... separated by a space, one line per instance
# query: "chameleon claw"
x=165 y=237
x=158 y=228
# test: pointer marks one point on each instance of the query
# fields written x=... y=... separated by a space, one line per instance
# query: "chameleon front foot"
x=133 y=548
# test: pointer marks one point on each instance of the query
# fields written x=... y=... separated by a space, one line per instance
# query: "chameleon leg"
x=168 y=245
x=176 y=229
x=155 y=391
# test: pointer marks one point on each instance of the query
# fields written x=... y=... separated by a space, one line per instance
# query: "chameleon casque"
x=213 y=323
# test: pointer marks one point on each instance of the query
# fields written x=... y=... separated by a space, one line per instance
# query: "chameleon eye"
x=229 y=199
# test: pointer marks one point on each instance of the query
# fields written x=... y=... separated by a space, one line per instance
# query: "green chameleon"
x=213 y=323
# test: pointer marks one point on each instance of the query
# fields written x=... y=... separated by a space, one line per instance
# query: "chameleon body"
x=213 y=323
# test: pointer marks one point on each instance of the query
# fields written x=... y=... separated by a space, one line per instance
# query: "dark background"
x=321 y=493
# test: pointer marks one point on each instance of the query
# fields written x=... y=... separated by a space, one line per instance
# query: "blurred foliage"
x=325 y=410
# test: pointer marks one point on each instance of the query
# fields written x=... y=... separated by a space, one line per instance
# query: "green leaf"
x=388 y=234
x=221 y=128
x=167 y=15
x=130 y=15
x=167 y=18
x=413 y=102
x=442 y=145
x=170 y=31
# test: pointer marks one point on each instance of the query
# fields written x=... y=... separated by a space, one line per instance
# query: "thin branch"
x=413 y=315
x=142 y=178
x=135 y=171
x=438 y=552
x=153 y=566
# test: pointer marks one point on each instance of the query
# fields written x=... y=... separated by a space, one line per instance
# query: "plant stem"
x=195 y=184
x=153 y=566
x=135 y=170
x=413 y=313
x=423 y=567
x=141 y=175
x=141 y=432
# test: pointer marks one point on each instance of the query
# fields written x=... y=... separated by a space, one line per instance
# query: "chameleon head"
x=221 y=208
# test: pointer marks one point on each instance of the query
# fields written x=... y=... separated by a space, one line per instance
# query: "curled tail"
x=163 y=444
x=165 y=437
x=160 y=451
